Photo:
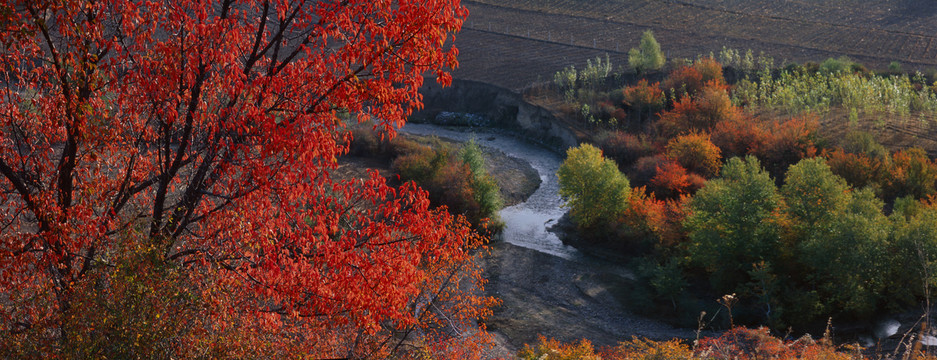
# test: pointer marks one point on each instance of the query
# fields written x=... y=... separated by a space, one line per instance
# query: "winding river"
x=525 y=223
x=548 y=287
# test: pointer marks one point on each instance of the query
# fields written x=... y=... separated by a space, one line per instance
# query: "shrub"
x=595 y=191
x=711 y=107
x=648 y=55
x=645 y=169
x=710 y=72
x=550 y=349
x=644 y=219
x=623 y=147
x=672 y=180
x=455 y=179
x=859 y=170
x=739 y=137
x=696 y=153
x=364 y=142
x=911 y=172
x=790 y=141
x=684 y=80
x=643 y=99
x=831 y=65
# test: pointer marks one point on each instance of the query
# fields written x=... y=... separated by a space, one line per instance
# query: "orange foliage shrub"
x=645 y=169
x=551 y=349
x=739 y=137
x=710 y=72
x=859 y=170
x=696 y=153
x=653 y=222
x=671 y=180
x=710 y=107
x=790 y=141
x=692 y=79
x=738 y=343
x=643 y=99
x=911 y=172
x=744 y=343
x=684 y=79
x=645 y=349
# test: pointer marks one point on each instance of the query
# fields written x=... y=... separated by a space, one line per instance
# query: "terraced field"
x=512 y=42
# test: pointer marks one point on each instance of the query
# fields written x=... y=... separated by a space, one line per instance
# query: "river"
x=547 y=287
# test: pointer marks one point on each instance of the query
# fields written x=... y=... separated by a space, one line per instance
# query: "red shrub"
x=744 y=343
x=738 y=137
x=859 y=170
x=645 y=169
x=692 y=79
x=684 y=79
x=672 y=180
x=790 y=141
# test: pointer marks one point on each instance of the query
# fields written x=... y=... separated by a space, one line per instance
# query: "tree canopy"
x=184 y=147
x=595 y=191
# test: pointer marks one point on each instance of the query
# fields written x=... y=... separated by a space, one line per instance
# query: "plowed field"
x=513 y=42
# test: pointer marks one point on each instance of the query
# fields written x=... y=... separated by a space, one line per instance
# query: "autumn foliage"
x=698 y=114
x=165 y=176
x=736 y=343
x=696 y=153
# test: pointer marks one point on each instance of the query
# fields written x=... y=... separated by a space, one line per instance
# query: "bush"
x=623 y=147
x=685 y=80
x=710 y=72
x=711 y=107
x=595 y=191
x=832 y=66
x=739 y=137
x=859 y=170
x=790 y=141
x=911 y=172
x=696 y=153
x=455 y=179
x=672 y=180
x=645 y=169
x=643 y=99
x=486 y=192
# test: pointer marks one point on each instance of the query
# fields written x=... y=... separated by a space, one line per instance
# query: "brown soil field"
x=513 y=43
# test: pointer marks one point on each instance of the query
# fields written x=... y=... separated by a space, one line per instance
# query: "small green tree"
x=648 y=55
x=486 y=192
x=595 y=191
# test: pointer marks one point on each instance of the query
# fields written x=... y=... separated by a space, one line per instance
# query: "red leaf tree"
x=194 y=139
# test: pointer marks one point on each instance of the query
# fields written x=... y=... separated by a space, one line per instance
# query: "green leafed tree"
x=648 y=55
x=840 y=236
x=595 y=190
x=733 y=224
